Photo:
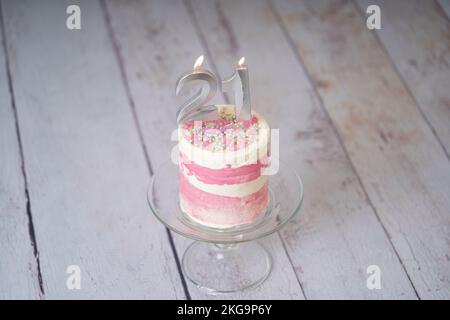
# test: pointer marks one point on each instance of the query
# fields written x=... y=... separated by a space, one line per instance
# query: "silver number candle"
x=238 y=84
x=195 y=107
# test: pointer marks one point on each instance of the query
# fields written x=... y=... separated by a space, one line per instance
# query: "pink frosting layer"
x=221 y=210
x=241 y=174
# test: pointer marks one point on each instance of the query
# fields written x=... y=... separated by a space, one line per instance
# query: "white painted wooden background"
x=86 y=117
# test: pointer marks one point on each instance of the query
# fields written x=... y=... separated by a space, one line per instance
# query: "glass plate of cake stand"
x=226 y=260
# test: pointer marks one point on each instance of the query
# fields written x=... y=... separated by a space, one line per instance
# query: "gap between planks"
x=403 y=81
x=142 y=264
x=338 y=136
x=131 y=103
x=29 y=213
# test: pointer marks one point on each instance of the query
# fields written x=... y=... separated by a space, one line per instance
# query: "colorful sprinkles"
x=224 y=133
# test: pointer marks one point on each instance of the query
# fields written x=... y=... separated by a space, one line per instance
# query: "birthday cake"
x=221 y=160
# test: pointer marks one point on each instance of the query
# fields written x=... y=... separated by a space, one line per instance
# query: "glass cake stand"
x=225 y=260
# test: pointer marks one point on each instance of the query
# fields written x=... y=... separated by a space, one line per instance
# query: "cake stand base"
x=226 y=268
x=225 y=260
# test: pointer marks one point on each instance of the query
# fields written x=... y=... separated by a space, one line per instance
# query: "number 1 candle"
x=238 y=84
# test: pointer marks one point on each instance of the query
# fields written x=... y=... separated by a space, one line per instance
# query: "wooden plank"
x=445 y=4
x=86 y=169
x=416 y=35
x=337 y=235
x=158 y=43
x=18 y=268
x=399 y=161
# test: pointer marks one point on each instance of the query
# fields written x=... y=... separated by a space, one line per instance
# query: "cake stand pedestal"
x=226 y=260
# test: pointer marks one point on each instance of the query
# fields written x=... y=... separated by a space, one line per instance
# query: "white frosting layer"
x=228 y=158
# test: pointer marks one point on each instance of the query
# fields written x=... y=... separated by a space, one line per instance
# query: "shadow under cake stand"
x=226 y=260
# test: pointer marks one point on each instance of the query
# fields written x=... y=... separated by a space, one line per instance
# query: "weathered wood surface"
x=399 y=161
x=336 y=236
x=416 y=35
x=157 y=44
x=363 y=122
x=87 y=174
x=18 y=267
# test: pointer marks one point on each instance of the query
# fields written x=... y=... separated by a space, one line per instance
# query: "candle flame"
x=198 y=62
x=241 y=61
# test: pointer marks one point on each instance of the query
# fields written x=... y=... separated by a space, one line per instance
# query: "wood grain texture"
x=416 y=35
x=336 y=235
x=87 y=172
x=18 y=268
x=157 y=44
x=401 y=164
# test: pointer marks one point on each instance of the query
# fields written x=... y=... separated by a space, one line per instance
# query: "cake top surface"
x=226 y=132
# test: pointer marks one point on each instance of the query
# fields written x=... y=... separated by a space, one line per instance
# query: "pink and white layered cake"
x=221 y=160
